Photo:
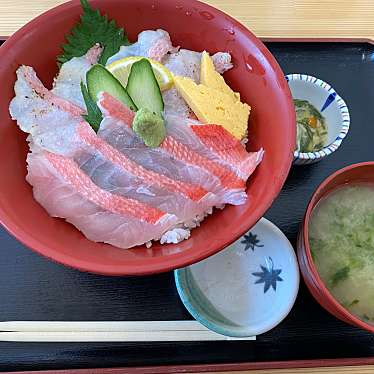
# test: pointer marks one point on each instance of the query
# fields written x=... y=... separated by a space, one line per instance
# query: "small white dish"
x=323 y=97
x=248 y=288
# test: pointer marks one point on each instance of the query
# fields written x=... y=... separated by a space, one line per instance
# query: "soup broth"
x=341 y=237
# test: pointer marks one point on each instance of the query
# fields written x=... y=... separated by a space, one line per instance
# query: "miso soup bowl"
x=362 y=172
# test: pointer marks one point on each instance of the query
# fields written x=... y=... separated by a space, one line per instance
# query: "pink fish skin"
x=230 y=150
x=161 y=47
x=182 y=153
x=112 y=107
x=31 y=78
x=93 y=54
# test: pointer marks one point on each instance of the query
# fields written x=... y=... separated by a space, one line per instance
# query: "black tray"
x=33 y=288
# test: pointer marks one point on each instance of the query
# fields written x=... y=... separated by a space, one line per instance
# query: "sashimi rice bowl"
x=136 y=144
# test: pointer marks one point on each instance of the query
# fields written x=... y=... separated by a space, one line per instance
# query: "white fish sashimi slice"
x=154 y=44
x=64 y=191
x=27 y=106
x=187 y=63
x=72 y=73
x=222 y=62
x=175 y=104
x=49 y=119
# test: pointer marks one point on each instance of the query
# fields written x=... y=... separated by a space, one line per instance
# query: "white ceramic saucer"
x=246 y=289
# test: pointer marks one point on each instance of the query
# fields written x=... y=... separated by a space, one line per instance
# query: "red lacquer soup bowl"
x=192 y=25
x=357 y=173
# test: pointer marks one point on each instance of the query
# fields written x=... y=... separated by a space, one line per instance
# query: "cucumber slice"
x=100 y=79
x=143 y=87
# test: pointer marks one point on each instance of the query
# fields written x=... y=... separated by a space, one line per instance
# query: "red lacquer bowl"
x=192 y=25
x=363 y=172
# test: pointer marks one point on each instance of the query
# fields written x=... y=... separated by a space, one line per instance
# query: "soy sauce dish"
x=245 y=290
x=336 y=245
x=322 y=118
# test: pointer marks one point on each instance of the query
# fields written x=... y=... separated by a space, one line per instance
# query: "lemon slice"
x=121 y=70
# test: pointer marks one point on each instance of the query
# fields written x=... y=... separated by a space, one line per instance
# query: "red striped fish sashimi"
x=64 y=190
x=187 y=151
x=109 y=184
x=109 y=168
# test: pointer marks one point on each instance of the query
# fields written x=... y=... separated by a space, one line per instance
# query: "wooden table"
x=268 y=19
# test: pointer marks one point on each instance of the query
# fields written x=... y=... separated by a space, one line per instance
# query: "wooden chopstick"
x=101 y=336
x=109 y=331
x=85 y=326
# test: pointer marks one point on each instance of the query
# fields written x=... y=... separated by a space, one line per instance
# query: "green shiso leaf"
x=93 y=116
x=93 y=28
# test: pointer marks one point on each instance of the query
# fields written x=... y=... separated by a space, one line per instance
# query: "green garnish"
x=354 y=302
x=311 y=127
x=93 y=116
x=93 y=28
x=150 y=127
x=340 y=275
x=313 y=111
